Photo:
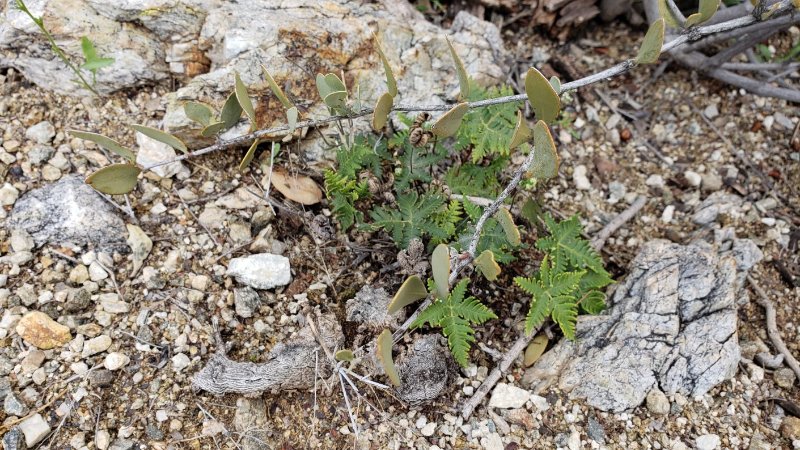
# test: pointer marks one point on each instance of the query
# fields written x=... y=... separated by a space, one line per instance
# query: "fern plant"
x=455 y=315
x=487 y=130
x=570 y=278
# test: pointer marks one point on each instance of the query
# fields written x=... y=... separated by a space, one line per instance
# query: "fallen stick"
x=522 y=341
x=611 y=227
x=772 y=327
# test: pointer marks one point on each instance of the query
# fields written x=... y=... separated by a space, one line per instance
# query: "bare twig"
x=772 y=327
x=618 y=221
x=522 y=341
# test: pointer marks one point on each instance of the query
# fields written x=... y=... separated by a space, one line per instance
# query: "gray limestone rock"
x=671 y=325
x=69 y=212
x=370 y=307
x=424 y=372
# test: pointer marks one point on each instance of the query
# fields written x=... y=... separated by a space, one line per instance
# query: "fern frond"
x=488 y=130
x=455 y=315
x=565 y=314
x=343 y=194
x=412 y=217
x=567 y=247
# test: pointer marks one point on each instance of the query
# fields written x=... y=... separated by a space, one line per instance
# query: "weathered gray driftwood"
x=290 y=365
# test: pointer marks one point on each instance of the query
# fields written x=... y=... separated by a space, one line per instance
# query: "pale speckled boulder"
x=297 y=39
x=672 y=324
x=204 y=41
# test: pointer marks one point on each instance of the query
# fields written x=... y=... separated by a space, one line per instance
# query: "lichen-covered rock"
x=69 y=212
x=370 y=307
x=672 y=324
x=424 y=371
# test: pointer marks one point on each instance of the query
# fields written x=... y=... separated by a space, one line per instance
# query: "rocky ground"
x=113 y=370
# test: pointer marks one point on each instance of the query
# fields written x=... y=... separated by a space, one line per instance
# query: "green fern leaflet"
x=570 y=278
x=455 y=316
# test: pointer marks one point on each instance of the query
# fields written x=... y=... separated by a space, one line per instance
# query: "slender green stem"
x=54 y=46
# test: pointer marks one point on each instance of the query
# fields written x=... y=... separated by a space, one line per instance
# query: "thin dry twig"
x=772 y=326
x=621 y=219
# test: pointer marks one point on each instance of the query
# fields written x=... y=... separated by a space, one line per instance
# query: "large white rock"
x=508 y=396
x=35 y=428
x=261 y=271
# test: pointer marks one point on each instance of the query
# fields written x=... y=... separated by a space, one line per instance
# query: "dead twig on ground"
x=600 y=239
x=772 y=326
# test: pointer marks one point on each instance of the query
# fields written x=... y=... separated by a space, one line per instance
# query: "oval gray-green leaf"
x=556 y=83
x=248 y=156
x=666 y=13
x=276 y=89
x=535 y=349
x=543 y=98
x=336 y=100
x=212 y=129
x=411 y=290
x=198 y=112
x=384 y=352
x=291 y=118
x=381 y=113
x=244 y=99
x=440 y=266
x=448 y=124
x=706 y=11
x=344 y=355
x=322 y=86
x=487 y=265
x=461 y=72
x=509 y=227
x=521 y=131
x=231 y=111
x=335 y=83
x=545 y=158
x=105 y=142
x=161 y=136
x=391 y=83
x=115 y=179
x=651 y=45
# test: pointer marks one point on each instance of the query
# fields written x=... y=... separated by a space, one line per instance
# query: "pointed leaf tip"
x=521 y=131
x=461 y=72
x=651 y=45
x=384 y=352
x=276 y=89
x=160 y=136
x=448 y=124
x=391 y=82
x=411 y=290
x=105 y=142
x=244 y=100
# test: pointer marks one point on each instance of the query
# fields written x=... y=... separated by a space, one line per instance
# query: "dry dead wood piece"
x=772 y=327
x=290 y=365
x=599 y=241
x=522 y=341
